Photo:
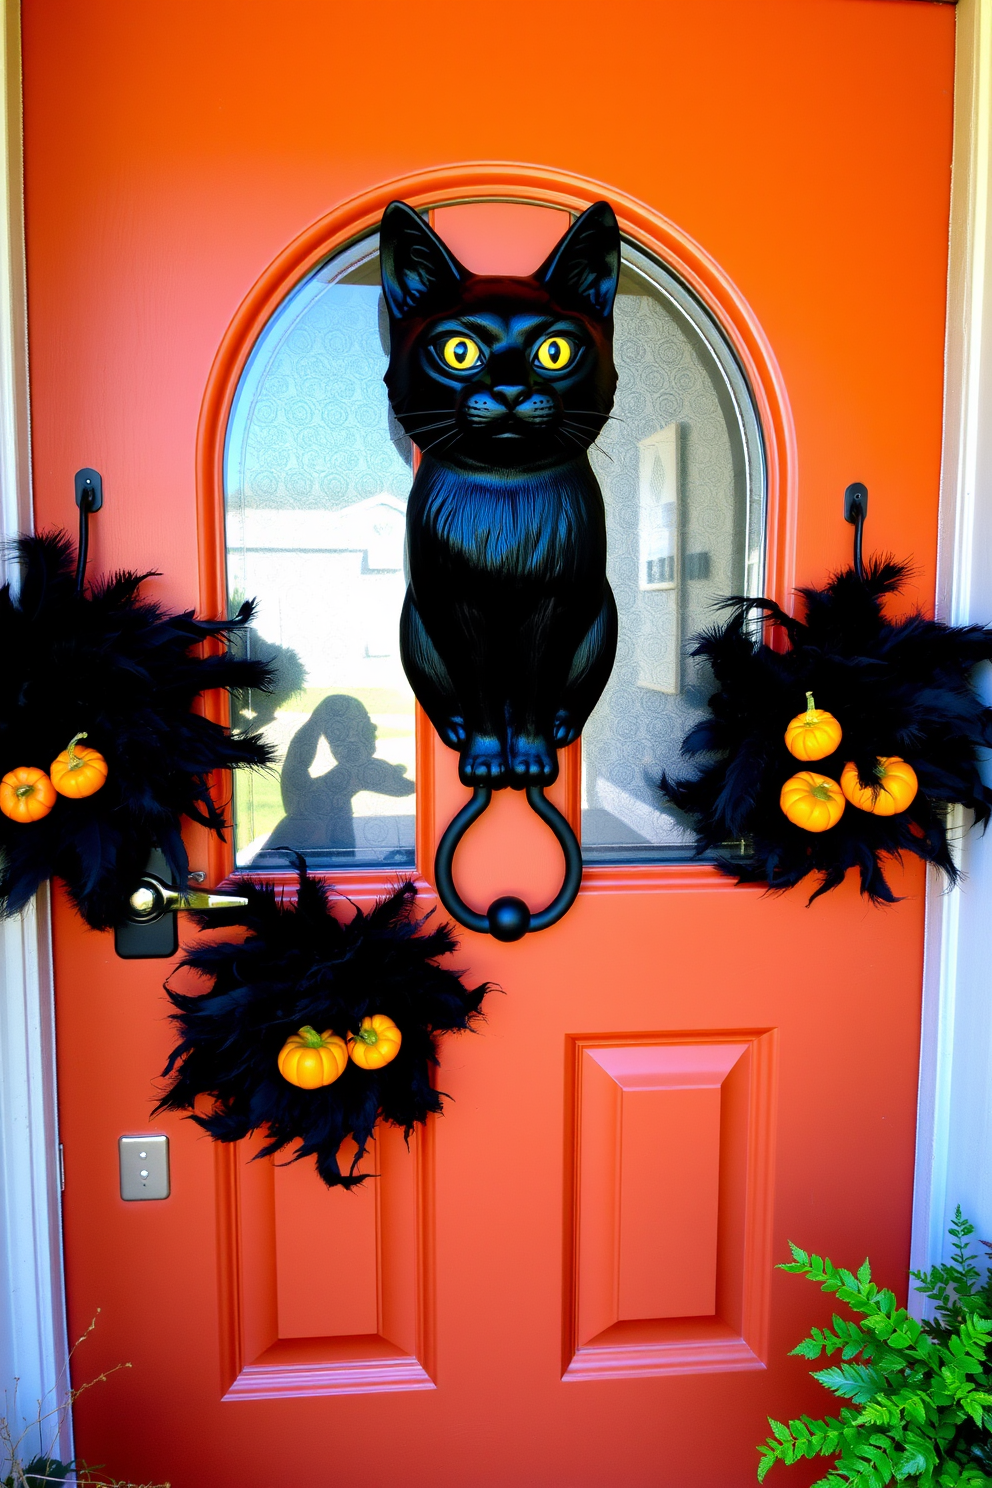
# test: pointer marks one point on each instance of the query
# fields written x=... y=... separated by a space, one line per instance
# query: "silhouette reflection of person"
x=318 y=810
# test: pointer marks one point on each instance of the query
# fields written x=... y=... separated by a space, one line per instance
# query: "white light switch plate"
x=144 y=1167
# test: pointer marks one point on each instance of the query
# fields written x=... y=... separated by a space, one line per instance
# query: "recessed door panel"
x=672 y=1183
x=328 y=1293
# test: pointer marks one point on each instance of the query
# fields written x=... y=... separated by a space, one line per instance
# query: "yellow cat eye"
x=554 y=353
x=460 y=352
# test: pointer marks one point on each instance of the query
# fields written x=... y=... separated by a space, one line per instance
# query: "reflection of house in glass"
x=328 y=583
x=330 y=586
x=317 y=479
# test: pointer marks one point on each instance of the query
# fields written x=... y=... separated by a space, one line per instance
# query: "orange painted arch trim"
x=494 y=181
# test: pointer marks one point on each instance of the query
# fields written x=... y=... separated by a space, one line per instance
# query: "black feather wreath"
x=301 y=965
x=119 y=668
x=896 y=688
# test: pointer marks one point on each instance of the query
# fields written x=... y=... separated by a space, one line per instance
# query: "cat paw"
x=532 y=763
x=483 y=762
x=566 y=730
x=452 y=731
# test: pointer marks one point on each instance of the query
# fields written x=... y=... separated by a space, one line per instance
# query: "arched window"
x=316 y=480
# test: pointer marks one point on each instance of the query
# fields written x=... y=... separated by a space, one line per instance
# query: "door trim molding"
x=954 y=1131
x=33 y=1342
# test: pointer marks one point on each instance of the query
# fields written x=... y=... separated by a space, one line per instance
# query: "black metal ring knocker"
x=507 y=918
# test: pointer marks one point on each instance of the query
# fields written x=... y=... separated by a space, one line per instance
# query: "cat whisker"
x=446 y=448
x=440 y=440
x=440 y=424
x=587 y=434
x=583 y=443
x=593 y=444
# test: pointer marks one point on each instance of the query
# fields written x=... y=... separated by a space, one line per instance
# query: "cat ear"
x=582 y=271
x=417 y=269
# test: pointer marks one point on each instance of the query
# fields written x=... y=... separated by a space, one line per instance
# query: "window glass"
x=682 y=474
x=317 y=474
x=316 y=478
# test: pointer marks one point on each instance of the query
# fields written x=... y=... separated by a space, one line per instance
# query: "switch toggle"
x=144 y=1167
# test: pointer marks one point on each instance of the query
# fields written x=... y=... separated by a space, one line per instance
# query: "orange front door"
x=569 y=1278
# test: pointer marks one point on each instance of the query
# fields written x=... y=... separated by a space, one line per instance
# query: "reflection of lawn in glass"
x=258 y=798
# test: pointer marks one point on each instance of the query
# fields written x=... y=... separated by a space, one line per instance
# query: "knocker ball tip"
x=509 y=918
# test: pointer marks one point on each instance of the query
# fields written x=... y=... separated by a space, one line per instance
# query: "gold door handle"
x=152 y=899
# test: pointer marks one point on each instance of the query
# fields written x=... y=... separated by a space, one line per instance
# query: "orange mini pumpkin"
x=811 y=801
x=79 y=772
x=814 y=734
x=310 y=1059
x=376 y=1042
x=896 y=788
x=26 y=794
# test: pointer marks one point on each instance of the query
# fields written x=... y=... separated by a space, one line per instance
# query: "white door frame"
x=33 y=1348
x=954 y=1150
x=954 y=1133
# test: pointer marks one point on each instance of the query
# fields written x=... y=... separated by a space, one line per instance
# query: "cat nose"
x=510 y=396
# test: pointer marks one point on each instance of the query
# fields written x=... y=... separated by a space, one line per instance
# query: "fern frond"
x=921 y=1393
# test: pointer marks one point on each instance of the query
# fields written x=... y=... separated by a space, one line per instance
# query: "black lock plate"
x=156 y=940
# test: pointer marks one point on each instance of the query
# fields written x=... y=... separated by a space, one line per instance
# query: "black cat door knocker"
x=509 y=627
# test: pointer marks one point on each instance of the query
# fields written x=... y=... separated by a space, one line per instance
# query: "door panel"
x=568 y=1279
x=320 y=1297
x=671 y=1205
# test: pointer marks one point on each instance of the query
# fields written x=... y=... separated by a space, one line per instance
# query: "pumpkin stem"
x=75 y=763
x=368 y=1035
x=25 y=790
x=810 y=709
x=313 y=1038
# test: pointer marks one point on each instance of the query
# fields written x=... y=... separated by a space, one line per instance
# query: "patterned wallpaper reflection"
x=672 y=552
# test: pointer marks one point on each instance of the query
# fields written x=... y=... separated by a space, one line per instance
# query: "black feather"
x=118 y=667
x=896 y=688
x=300 y=964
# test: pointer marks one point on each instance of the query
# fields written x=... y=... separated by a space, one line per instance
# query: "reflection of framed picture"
x=659 y=509
x=659 y=632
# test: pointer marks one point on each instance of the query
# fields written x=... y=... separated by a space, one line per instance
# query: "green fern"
x=920 y=1393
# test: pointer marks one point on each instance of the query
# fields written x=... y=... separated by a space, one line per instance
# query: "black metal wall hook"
x=855 y=511
x=507 y=918
x=89 y=498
